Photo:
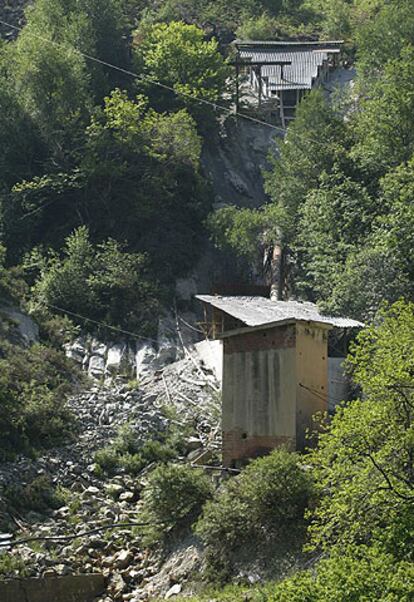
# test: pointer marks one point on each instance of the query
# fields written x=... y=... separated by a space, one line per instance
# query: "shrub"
x=173 y=499
x=102 y=282
x=128 y=453
x=34 y=384
x=264 y=506
x=39 y=495
x=351 y=577
x=363 y=465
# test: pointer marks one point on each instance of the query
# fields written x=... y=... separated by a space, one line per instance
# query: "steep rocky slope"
x=184 y=393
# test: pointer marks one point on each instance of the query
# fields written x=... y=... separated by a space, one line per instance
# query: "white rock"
x=115 y=355
x=123 y=559
x=27 y=328
x=173 y=591
x=96 y=366
x=144 y=356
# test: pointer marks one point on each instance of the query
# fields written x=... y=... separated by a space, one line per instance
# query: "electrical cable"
x=145 y=78
x=149 y=80
x=320 y=395
x=64 y=538
x=98 y=323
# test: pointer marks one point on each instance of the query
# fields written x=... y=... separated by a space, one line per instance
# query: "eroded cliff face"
x=234 y=161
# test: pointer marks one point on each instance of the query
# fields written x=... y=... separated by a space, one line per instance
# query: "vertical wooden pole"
x=260 y=87
x=282 y=110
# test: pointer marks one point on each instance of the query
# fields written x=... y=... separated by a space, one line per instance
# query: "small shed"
x=275 y=371
x=282 y=72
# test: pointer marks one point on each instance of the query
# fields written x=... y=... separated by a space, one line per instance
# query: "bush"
x=173 y=499
x=128 y=453
x=363 y=465
x=34 y=384
x=102 y=282
x=353 y=577
x=264 y=506
x=39 y=495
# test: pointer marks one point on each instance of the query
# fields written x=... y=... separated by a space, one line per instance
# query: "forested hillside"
x=106 y=109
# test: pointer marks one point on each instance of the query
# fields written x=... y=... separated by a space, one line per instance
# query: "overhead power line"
x=98 y=323
x=145 y=78
x=9 y=543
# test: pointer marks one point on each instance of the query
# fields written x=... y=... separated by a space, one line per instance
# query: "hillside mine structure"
x=281 y=72
x=275 y=371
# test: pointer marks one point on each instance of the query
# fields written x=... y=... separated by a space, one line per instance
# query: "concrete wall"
x=312 y=377
x=259 y=390
x=338 y=383
x=274 y=381
x=81 y=588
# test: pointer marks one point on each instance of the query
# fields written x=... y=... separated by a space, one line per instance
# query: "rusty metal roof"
x=305 y=60
x=261 y=311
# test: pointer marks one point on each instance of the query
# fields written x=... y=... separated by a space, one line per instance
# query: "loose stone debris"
x=131 y=572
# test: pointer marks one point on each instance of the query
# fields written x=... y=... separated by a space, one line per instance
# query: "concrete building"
x=275 y=371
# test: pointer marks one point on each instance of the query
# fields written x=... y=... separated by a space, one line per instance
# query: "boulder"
x=96 y=367
x=144 y=357
x=115 y=356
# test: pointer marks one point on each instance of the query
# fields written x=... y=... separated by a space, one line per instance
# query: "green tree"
x=100 y=282
x=363 y=465
x=377 y=267
x=178 y=56
x=334 y=221
x=21 y=152
x=352 y=576
x=382 y=30
x=314 y=144
x=52 y=84
x=95 y=27
x=129 y=144
x=383 y=126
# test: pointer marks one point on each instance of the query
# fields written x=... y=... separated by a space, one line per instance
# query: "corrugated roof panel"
x=261 y=311
x=298 y=75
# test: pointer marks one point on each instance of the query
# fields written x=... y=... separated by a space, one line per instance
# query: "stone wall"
x=81 y=588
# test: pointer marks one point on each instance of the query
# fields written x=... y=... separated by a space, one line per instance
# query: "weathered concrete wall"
x=81 y=588
x=274 y=381
x=338 y=383
x=312 y=377
x=259 y=391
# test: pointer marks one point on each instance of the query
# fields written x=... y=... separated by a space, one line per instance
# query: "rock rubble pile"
x=184 y=393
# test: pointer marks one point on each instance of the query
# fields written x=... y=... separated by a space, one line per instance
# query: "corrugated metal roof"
x=260 y=311
x=288 y=43
x=305 y=63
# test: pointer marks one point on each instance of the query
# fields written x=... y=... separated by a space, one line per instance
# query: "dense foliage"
x=172 y=500
x=84 y=148
x=103 y=204
x=257 y=513
x=339 y=187
x=33 y=386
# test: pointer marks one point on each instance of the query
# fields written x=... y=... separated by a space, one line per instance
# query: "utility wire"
x=150 y=80
x=109 y=326
x=145 y=78
x=97 y=322
x=320 y=395
x=63 y=538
